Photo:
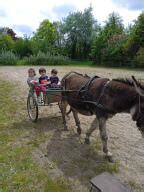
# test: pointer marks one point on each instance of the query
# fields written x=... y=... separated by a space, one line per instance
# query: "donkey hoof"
x=110 y=159
x=65 y=128
x=87 y=141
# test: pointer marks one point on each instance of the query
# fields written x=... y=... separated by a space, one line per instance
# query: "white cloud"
x=130 y=4
x=31 y=12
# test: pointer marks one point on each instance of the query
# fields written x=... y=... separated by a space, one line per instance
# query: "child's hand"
x=33 y=82
x=45 y=82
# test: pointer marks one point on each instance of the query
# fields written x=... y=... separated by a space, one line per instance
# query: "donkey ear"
x=137 y=87
x=134 y=80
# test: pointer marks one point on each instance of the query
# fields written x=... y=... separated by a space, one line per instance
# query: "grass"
x=19 y=139
x=80 y=63
x=18 y=170
x=135 y=186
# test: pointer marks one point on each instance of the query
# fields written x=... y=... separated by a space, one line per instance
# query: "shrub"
x=140 y=58
x=8 y=58
x=44 y=59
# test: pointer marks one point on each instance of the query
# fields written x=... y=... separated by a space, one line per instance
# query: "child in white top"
x=32 y=81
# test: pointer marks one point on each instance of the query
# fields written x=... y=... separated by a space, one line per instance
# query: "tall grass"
x=8 y=58
x=44 y=59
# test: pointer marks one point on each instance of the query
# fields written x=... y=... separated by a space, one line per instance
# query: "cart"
x=50 y=96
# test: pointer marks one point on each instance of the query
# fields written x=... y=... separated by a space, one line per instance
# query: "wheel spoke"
x=32 y=108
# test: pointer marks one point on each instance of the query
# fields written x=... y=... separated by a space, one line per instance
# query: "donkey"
x=103 y=98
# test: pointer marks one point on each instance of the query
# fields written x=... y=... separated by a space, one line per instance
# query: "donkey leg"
x=77 y=121
x=104 y=138
x=62 y=106
x=93 y=126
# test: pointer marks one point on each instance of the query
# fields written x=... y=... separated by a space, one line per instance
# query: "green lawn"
x=18 y=139
x=18 y=172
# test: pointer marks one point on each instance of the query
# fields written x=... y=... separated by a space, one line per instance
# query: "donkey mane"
x=128 y=82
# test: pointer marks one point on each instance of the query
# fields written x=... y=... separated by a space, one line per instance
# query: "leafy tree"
x=98 y=45
x=113 y=25
x=6 y=43
x=135 y=42
x=108 y=45
x=8 y=31
x=60 y=40
x=113 y=54
x=136 y=36
x=23 y=47
x=45 y=37
x=78 y=28
x=140 y=57
x=138 y=33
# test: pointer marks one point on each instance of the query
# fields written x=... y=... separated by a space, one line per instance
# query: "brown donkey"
x=103 y=98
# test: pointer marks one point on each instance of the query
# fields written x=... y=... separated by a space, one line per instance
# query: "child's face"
x=43 y=73
x=31 y=73
x=53 y=74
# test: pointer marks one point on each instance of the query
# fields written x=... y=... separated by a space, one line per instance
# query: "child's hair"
x=32 y=69
x=42 y=69
x=54 y=71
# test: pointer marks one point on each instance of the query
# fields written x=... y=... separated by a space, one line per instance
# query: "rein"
x=139 y=104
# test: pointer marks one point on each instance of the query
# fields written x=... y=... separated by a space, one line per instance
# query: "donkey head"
x=138 y=110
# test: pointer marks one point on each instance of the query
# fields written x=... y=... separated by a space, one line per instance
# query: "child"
x=32 y=81
x=43 y=79
x=32 y=78
x=54 y=80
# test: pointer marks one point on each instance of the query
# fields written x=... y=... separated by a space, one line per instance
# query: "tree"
x=45 y=37
x=113 y=25
x=8 y=31
x=23 y=47
x=6 y=43
x=108 y=44
x=138 y=33
x=78 y=29
x=136 y=36
x=140 y=57
x=60 y=40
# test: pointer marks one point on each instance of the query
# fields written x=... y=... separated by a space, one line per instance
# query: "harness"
x=84 y=89
x=85 y=96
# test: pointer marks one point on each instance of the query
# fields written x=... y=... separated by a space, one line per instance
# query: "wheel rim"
x=32 y=108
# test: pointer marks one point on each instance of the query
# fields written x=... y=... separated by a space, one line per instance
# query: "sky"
x=24 y=16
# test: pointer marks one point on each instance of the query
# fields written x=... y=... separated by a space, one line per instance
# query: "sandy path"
x=73 y=160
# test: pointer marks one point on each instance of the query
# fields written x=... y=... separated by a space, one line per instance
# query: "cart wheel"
x=32 y=108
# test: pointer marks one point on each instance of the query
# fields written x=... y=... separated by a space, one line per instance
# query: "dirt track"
x=64 y=155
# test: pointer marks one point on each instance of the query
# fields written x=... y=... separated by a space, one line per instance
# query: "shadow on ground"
x=71 y=158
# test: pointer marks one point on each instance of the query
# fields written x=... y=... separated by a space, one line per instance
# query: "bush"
x=8 y=58
x=140 y=58
x=44 y=59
